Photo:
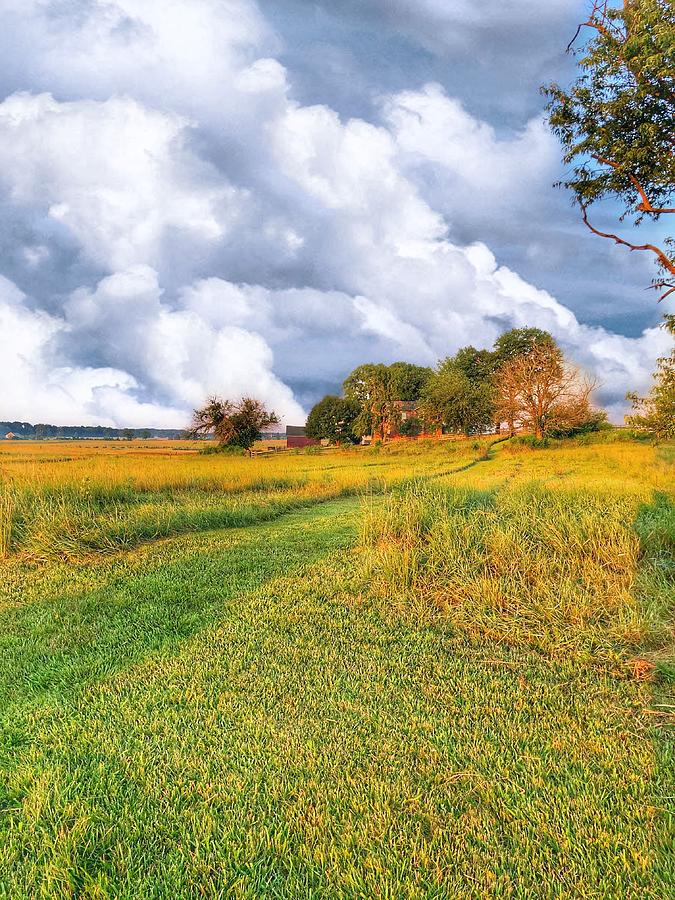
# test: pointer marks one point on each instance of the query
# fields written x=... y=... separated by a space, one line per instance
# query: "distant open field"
x=423 y=670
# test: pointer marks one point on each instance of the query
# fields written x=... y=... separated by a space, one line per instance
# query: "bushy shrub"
x=595 y=422
x=531 y=442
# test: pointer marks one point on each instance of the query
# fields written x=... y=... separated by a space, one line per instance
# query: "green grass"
x=52 y=526
x=422 y=695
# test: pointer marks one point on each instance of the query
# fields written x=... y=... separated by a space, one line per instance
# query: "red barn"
x=296 y=437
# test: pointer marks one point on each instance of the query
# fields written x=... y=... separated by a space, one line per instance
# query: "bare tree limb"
x=599 y=20
x=576 y=35
x=667 y=264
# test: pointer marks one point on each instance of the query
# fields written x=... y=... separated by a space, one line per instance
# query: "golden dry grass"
x=71 y=498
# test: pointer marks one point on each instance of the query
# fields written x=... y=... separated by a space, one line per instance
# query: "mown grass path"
x=224 y=715
x=80 y=624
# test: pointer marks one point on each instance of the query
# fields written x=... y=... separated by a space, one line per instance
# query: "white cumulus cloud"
x=180 y=224
x=118 y=176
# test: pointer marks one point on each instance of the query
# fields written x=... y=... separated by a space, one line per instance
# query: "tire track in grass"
x=64 y=627
x=53 y=645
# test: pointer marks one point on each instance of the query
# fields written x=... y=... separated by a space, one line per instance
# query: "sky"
x=251 y=198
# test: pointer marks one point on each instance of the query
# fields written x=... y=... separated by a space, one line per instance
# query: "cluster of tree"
x=656 y=412
x=370 y=403
x=377 y=390
x=85 y=432
x=524 y=382
x=232 y=424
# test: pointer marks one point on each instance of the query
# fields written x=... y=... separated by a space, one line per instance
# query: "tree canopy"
x=454 y=400
x=368 y=385
x=376 y=381
x=377 y=388
x=656 y=412
x=474 y=364
x=333 y=419
x=238 y=424
x=406 y=381
x=518 y=341
x=542 y=391
x=616 y=121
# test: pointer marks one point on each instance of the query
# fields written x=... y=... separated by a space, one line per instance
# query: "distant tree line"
x=523 y=383
x=83 y=432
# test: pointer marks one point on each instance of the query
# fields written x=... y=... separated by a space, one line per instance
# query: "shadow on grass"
x=655 y=526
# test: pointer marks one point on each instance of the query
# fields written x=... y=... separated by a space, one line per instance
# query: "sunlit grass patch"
x=101 y=502
x=551 y=569
x=225 y=740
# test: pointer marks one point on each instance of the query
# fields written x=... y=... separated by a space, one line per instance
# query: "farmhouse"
x=296 y=437
x=10 y=436
x=407 y=410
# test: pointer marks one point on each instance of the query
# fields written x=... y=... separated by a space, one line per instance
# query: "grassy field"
x=427 y=670
x=68 y=499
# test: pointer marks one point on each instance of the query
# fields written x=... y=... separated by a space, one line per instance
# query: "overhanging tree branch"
x=645 y=204
x=601 y=21
x=663 y=259
x=667 y=264
x=618 y=113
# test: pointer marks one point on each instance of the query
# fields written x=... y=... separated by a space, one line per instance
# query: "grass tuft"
x=6 y=520
x=530 y=566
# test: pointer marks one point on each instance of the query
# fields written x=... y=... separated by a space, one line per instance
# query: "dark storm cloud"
x=493 y=55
